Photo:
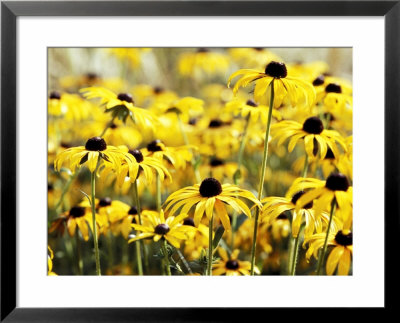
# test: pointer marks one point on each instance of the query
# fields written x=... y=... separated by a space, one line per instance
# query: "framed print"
x=182 y=142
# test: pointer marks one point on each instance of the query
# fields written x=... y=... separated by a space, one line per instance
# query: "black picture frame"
x=11 y=10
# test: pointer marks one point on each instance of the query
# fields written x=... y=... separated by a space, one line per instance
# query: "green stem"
x=158 y=192
x=95 y=240
x=183 y=260
x=125 y=253
x=65 y=190
x=262 y=177
x=110 y=251
x=237 y=175
x=186 y=141
x=78 y=253
x=294 y=255
x=108 y=125
x=166 y=261
x=321 y=259
x=305 y=169
x=139 y=244
x=210 y=246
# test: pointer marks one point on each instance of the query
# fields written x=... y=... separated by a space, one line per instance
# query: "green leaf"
x=217 y=236
x=237 y=176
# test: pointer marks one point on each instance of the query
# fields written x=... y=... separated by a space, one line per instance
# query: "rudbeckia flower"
x=253 y=110
x=132 y=55
x=231 y=266
x=333 y=93
x=336 y=187
x=313 y=133
x=185 y=107
x=178 y=156
x=194 y=64
x=147 y=164
x=68 y=106
x=95 y=150
x=274 y=207
x=208 y=196
x=77 y=216
x=121 y=105
x=156 y=226
x=298 y=92
x=252 y=57
x=340 y=255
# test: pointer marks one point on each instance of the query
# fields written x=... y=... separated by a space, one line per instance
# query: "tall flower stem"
x=108 y=125
x=262 y=177
x=321 y=258
x=79 y=253
x=237 y=175
x=295 y=250
x=186 y=141
x=210 y=246
x=65 y=190
x=138 y=244
x=95 y=239
x=166 y=261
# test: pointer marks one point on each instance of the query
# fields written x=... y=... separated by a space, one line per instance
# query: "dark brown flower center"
x=55 y=95
x=113 y=126
x=137 y=154
x=202 y=50
x=251 y=103
x=189 y=221
x=319 y=80
x=192 y=121
x=92 y=76
x=77 y=211
x=333 y=88
x=299 y=194
x=133 y=210
x=161 y=229
x=154 y=145
x=158 y=90
x=216 y=123
x=96 y=144
x=313 y=125
x=125 y=97
x=214 y=162
x=276 y=69
x=106 y=201
x=344 y=239
x=337 y=182
x=210 y=187
x=232 y=264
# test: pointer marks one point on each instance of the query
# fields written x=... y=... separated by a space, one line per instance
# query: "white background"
x=364 y=288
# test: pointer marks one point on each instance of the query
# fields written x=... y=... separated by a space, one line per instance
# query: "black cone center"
x=313 y=125
x=299 y=194
x=125 y=97
x=333 y=88
x=319 y=80
x=337 y=182
x=232 y=264
x=137 y=154
x=96 y=144
x=77 y=211
x=161 y=229
x=210 y=187
x=276 y=69
x=344 y=239
x=154 y=145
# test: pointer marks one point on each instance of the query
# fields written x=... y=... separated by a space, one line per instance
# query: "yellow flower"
x=50 y=263
x=95 y=150
x=322 y=193
x=252 y=57
x=147 y=164
x=132 y=55
x=203 y=61
x=68 y=106
x=231 y=266
x=155 y=225
x=298 y=92
x=210 y=195
x=316 y=138
x=77 y=216
x=121 y=105
x=249 y=107
x=340 y=255
x=178 y=156
x=274 y=207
